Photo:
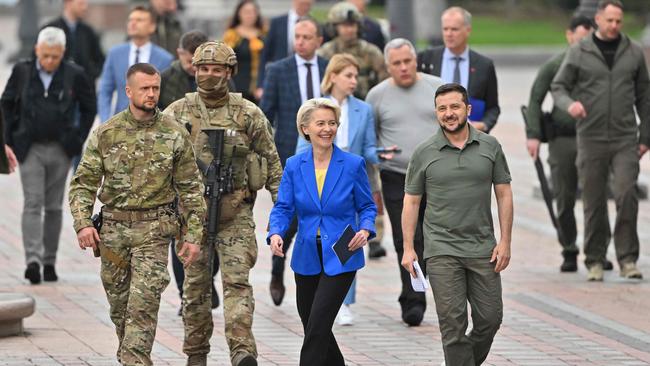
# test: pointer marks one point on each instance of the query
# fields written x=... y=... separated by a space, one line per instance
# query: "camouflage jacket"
x=372 y=68
x=246 y=125
x=143 y=165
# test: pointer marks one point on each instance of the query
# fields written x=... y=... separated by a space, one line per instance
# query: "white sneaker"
x=345 y=316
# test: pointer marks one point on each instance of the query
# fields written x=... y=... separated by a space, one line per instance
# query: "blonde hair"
x=336 y=64
x=308 y=108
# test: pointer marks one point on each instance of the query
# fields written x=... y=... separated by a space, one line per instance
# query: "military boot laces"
x=197 y=360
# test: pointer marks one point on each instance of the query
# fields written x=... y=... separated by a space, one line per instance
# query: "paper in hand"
x=420 y=283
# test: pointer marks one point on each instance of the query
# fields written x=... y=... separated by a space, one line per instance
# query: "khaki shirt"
x=458 y=188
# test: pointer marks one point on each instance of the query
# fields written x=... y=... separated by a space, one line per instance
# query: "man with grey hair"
x=404 y=116
x=39 y=104
x=456 y=63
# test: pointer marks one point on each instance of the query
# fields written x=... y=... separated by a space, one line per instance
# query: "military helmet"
x=215 y=53
x=344 y=12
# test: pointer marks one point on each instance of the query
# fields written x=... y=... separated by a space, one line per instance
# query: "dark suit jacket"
x=482 y=82
x=275 y=45
x=281 y=101
x=19 y=129
x=84 y=49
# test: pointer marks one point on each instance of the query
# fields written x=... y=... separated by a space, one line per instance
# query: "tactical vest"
x=249 y=169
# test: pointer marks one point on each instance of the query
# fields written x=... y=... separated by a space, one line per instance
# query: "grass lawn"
x=492 y=30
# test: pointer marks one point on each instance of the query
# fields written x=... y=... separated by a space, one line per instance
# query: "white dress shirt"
x=342 y=133
x=302 y=76
x=145 y=53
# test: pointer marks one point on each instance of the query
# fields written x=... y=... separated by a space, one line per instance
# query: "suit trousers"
x=564 y=174
x=456 y=281
x=43 y=175
x=595 y=159
x=393 y=192
x=318 y=299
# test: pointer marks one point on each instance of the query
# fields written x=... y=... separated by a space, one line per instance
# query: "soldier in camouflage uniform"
x=346 y=19
x=249 y=149
x=143 y=159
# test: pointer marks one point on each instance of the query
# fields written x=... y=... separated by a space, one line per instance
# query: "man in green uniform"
x=142 y=160
x=248 y=148
x=561 y=144
x=346 y=19
x=456 y=169
x=600 y=83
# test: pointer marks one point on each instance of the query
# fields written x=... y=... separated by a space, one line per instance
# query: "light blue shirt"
x=449 y=64
x=46 y=77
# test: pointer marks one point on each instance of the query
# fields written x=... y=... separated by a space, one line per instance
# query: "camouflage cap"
x=215 y=53
x=344 y=12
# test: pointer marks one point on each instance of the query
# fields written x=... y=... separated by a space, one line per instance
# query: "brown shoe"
x=629 y=270
x=197 y=360
x=277 y=289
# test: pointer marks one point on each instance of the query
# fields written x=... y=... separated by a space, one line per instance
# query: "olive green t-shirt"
x=458 y=188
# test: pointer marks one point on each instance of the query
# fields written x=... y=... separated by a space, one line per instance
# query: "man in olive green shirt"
x=456 y=169
x=560 y=132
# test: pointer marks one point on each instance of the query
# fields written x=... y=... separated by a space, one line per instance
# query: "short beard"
x=141 y=107
x=456 y=130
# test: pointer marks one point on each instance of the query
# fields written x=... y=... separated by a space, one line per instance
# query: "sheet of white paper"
x=420 y=283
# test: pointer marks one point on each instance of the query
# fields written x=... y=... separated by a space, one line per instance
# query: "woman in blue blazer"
x=328 y=190
x=356 y=134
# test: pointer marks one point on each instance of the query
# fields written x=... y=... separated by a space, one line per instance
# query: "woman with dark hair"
x=245 y=36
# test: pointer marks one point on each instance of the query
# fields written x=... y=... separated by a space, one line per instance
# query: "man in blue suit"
x=288 y=83
x=140 y=26
x=278 y=43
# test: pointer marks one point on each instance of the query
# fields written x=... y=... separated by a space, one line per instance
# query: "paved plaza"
x=549 y=318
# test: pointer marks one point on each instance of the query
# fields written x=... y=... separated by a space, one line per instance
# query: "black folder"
x=341 y=245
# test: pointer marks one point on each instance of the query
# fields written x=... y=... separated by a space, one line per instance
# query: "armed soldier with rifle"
x=237 y=155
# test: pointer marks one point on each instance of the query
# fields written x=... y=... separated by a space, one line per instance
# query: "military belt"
x=137 y=215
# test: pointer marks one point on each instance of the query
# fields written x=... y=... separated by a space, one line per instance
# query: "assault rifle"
x=218 y=181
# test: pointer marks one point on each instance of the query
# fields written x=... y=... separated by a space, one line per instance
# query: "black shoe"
x=49 y=274
x=277 y=289
x=570 y=263
x=376 y=250
x=180 y=311
x=607 y=265
x=413 y=316
x=215 y=298
x=33 y=273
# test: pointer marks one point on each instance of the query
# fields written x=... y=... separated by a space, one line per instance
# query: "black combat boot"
x=376 y=250
x=570 y=263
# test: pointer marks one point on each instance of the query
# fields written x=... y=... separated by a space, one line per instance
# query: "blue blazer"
x=281 y=101
x=113 y=78
x=276 y=46
x=362 y=140
x=346 y=199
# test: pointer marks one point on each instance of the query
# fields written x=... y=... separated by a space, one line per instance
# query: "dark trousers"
x=277 y=268
x=455 y=281
x=595 y=159
x=318 y=299
x=393 y=190
x=564 y=174
x=179 y=271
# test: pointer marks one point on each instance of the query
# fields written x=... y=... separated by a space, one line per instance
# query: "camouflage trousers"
x=237 y=249
x=134 y=294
